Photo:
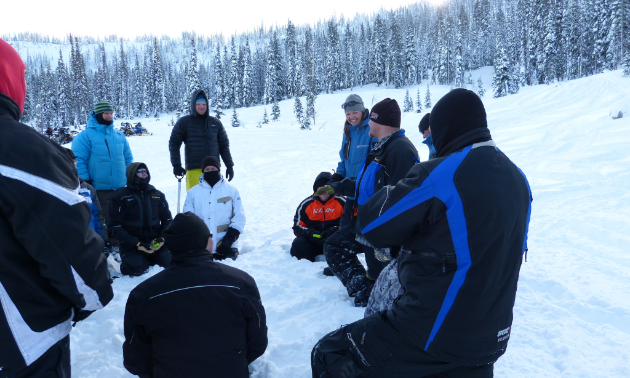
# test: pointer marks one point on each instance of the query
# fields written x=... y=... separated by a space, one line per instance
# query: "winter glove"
x=107 y=248
x=144 y=247
x=157 y=243
x=179 y=171
x=229 y=173
x=325 y=190
x=80 y=314
x=336 y=177
x=329 y=231
x=223 y=252
x=90 y=181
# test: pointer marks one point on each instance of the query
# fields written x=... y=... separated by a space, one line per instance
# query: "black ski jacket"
x=462 y=221
x=197 y=318
x=137 y=215
x=386 y=164
x=50 y=259
x=202 y=135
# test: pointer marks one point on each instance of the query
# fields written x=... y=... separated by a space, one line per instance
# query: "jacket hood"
x=193 y=101
x=131 y=172
x=93 y=123
x=12 y=71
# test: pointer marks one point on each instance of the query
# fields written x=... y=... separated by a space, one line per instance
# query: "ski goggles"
x=142 y=171
x=350 y=103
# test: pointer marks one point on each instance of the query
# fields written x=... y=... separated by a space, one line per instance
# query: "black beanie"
x=459 y=112
x=210 y=160
x=187 y=232
x=322 y=180
x=386 y=112
x=424 y=123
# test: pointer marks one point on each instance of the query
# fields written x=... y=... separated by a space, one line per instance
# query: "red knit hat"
x=12 y=70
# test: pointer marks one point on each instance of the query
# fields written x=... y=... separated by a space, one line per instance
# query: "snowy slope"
x=572 y=313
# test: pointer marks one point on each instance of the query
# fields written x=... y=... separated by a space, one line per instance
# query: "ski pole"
x=179 y=190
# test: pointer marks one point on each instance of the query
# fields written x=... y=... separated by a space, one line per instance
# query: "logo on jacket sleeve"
x=503 y=334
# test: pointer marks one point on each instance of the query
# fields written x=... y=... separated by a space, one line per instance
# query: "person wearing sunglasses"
x=139 y=214
x=355 y=146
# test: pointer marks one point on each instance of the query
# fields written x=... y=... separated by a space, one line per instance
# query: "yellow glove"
x=157 y=243
x=325 y=190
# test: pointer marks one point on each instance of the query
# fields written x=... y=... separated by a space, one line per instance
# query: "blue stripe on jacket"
x=440 y=185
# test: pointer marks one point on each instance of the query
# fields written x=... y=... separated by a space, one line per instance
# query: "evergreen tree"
x=265 y=117
x=480 y=90
x=273 y=88
x=501 y=74
x=248 y=95
x=158 y=100
x=218 y=105
x=275 y=111
x=292 y=60
x=310 y=107
x=408 y=106
x=235 y=121
x=411 y=59
x=380 y=53
x=418 y=102
x=234 y=90
x=332 y=59
x=63 y=88
x=192 y=76
x=298 y=110
x=427 y=98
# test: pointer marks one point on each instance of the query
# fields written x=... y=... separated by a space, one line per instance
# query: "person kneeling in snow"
x=197 y=318
x=138 y=215
x=219 y=205
x=315 y=220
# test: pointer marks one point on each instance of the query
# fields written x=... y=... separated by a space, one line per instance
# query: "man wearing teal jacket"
x=103 y=154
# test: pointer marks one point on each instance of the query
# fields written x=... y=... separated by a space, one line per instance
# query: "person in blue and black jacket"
x=389 y=161
x=460 y=221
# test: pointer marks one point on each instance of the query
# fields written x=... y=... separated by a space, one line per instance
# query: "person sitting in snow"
x=219 y=205
x=197 y=318
x=315 y=220
x=138 y=215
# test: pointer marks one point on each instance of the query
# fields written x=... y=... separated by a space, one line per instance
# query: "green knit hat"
x=102 y=107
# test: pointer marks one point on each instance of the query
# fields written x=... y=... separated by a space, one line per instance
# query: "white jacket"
x=220 y=207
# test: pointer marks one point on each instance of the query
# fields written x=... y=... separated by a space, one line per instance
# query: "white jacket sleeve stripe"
x=92 y=301
x=71 y=197
x=31 y=344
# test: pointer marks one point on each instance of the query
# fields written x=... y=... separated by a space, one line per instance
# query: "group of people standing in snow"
x=443 y=242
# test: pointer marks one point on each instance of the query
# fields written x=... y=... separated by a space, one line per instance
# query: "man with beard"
x=139 y=214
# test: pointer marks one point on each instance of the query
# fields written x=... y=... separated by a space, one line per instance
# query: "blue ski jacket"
x=429 y=142
x=355 y=149
x=103 y=155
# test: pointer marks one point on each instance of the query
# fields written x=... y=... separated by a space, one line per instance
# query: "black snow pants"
x=372 y=347
x=302 y=248
x=341 y=251
x=136 y=263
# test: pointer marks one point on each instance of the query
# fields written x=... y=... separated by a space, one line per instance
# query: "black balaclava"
x=132 y=177
x=211 y=177
x=102 y=121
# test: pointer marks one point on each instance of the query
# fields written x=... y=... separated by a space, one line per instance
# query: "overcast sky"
x=130 y=18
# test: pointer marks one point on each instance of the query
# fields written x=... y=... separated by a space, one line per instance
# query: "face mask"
x=141 y=182
x=212 y=177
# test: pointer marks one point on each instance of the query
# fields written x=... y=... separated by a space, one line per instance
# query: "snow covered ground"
x=572 y=313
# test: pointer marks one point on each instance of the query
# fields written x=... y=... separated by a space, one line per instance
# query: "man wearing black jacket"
x=387 y=163
x=460 y=221
x=52 y=270
x=203 y=136
x=197 y=318
x=138 y=215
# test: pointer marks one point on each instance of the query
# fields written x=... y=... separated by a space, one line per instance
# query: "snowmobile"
x=140 y=130
x=64 y=136
x=127 y=129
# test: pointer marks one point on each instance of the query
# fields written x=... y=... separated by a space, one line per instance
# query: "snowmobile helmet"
x=187 y=232
x=12 y=75
x=102 y=107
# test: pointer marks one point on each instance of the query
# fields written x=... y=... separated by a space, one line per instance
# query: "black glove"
x=90 y=181
x=336 y=177
x=329 y=231
x=107 y=248
x=179 y=171
x=223 y=252
x=144 y=247
x=229 y=173
x=80 y=314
